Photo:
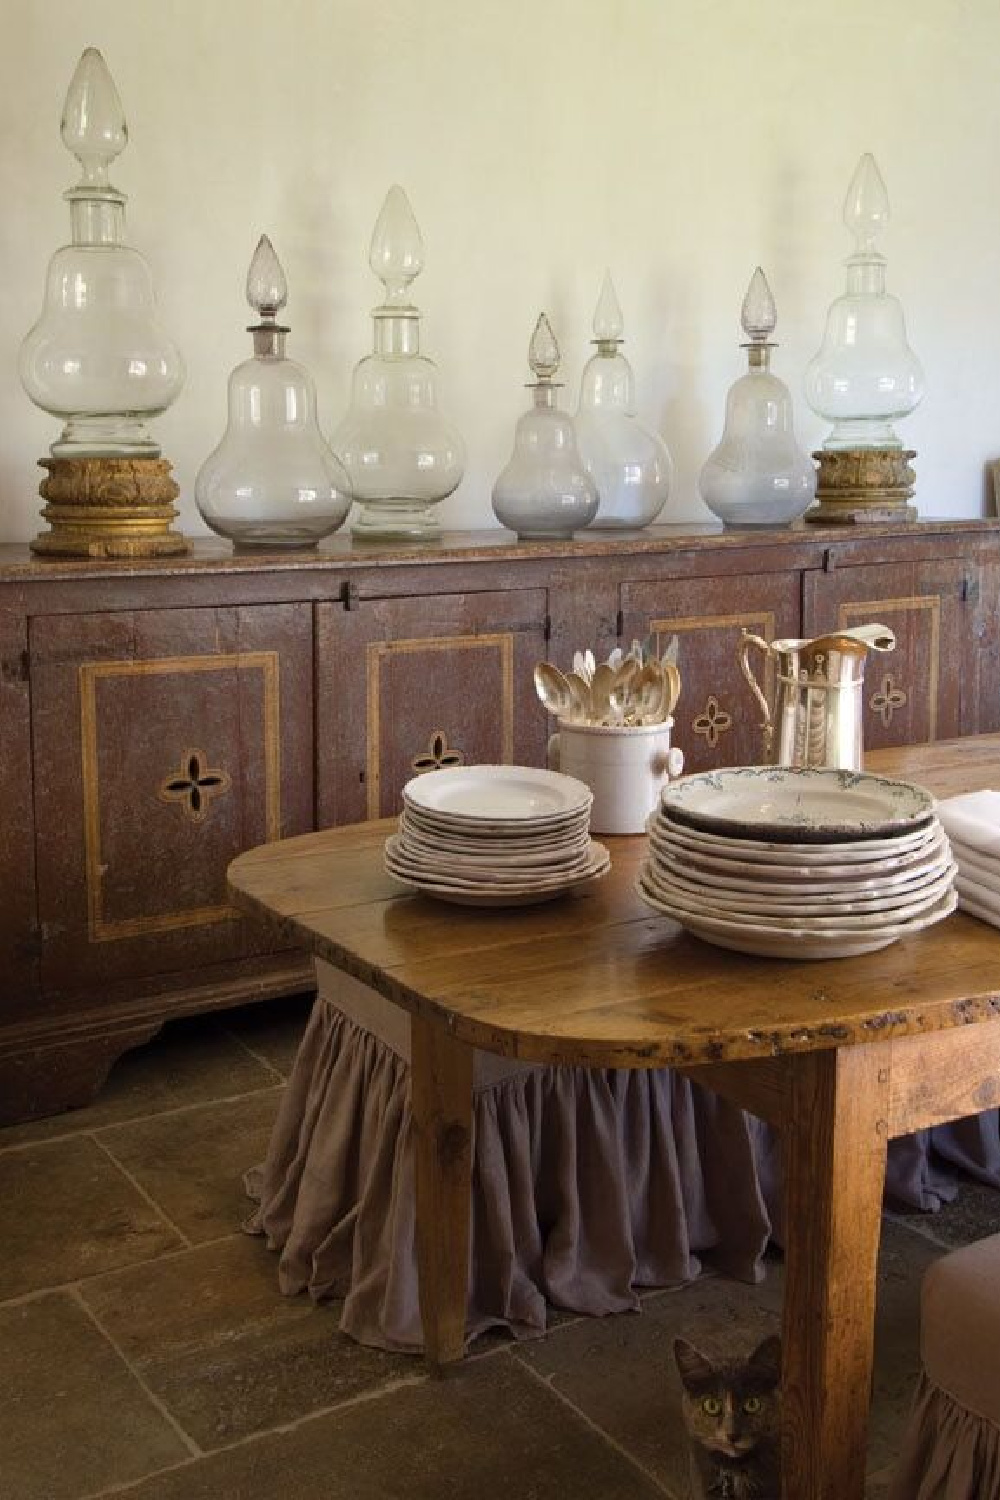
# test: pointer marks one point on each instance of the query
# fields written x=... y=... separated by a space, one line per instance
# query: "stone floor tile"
x=192 y=1163
x=973 y=1215
x=190 y=1062
x=66 y=1212
x=488 y=1428
x=73 y=1420
x=620 y=1370
x=227 y=1355
x=272 y=1030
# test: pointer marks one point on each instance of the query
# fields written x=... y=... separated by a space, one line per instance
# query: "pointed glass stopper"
x=609 y=325
x=397 y=251
x=758 y=314
x=543 y=351
x=267 y=289
x=866 y=207
x=93 y=120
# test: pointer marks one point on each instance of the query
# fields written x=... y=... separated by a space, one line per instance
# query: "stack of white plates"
x=495 y=835
x=789 y=863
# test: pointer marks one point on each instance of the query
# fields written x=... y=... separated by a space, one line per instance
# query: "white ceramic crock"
x=625 y=768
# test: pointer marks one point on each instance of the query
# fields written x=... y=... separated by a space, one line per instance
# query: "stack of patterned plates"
x=495 y=835
x=789 y=863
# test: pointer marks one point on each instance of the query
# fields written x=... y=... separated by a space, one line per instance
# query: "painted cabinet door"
x=913 y=694
x=717 y=720
x=406 y=685
x=165 y=743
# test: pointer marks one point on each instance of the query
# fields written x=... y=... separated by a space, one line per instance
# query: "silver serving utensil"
x=580 y=693
x=600 y=692
x=669 y=657
x=553 y=689
x=651 y=690
x=580 y=667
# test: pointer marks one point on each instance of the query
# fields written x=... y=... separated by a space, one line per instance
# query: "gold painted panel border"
x=90 y=673
x=849 y=611
x=379 y=651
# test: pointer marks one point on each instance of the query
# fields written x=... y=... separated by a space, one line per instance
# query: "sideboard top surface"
x=19 y=565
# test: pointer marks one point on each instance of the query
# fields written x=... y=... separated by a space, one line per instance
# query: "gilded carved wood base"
x=856 y=485
x=107 y=507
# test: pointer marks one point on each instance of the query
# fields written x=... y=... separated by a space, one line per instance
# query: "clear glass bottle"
x=272 y=481
x=545 y=490
x=97 y=358
x=401 y=455
x=629 y=464
x=865 y=375
x=758 y=475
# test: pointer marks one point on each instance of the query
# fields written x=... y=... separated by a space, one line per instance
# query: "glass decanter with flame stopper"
x=97 y=358
x=544 y=491
x=272 y=481
x=402 y=456
x=758 y=475
x=629 y=464
x=865 y=375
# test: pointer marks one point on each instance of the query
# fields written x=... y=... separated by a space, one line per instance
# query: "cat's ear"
x=765 y=1361
x=694 y=1368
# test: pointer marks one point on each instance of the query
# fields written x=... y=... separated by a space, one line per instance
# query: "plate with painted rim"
x=498 y=794
x=761 y=852
x=684 y=855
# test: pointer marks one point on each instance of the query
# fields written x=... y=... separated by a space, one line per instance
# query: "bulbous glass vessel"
x=758 y=475
x=629 y=464
x=272 y=481
x=545 y=490
x=401 y=454
x=865 y=375
x=97 y=357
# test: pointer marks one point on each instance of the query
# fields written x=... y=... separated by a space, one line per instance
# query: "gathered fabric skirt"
x=588 y=1184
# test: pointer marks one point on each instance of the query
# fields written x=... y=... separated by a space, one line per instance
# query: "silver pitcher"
x=817 y=717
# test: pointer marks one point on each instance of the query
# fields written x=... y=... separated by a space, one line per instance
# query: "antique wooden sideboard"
x=158 y=718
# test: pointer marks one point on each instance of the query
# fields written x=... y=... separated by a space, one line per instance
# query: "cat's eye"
x=752 y=1404
x=711 y=1406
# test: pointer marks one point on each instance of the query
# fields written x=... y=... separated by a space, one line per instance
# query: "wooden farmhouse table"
x=839 y=1055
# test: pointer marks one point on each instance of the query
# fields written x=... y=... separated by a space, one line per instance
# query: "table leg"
x=835 y=1135
x=441 y=1103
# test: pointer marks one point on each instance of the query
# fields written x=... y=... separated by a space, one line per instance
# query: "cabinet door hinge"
x=970 y=588
x=349 y=595
x=548 y=628
x=16 y=668
x=829 y=560
x=620 y=624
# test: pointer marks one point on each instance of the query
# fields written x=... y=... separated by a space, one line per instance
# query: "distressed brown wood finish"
x=112 y=675
x=840 y=1056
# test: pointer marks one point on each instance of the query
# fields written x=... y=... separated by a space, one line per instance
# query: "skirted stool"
x=952 y=1446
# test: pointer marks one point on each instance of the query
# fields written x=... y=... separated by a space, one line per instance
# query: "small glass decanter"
x=629 y=464
x=97 y=358
x=272 y=481
x=545 y=490
x=401 y=455
x=865 y=374
x=758 y=475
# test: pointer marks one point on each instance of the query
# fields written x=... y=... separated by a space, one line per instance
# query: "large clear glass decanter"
x=629 y=464
x=272 y=481
x=401 y=455
x=865 y=375
x=544 y=491
x=97 y=358
x=758 y=475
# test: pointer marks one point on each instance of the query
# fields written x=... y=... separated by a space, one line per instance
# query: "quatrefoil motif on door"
x=888 y=698
x=438 y=753
x=194 y=785
x=713 y=721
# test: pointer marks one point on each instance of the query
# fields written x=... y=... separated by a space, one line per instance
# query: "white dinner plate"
x=516 y=838
x=764 y=942
x=471 y=895
x=498 y=794
x=482 y=872
x=759 y=855
x=804 y=804
x=675 y=852
x=801 y=888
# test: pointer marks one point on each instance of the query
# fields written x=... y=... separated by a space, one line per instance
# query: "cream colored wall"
x=539 y=140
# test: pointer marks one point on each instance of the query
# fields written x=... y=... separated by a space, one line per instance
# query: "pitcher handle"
x=743 y=656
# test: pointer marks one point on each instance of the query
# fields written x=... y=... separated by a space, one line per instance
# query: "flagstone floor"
x=147 y=1353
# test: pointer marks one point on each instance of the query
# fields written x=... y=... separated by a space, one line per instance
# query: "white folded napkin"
x=979 y=901
x=982 y=868
x=973 y=820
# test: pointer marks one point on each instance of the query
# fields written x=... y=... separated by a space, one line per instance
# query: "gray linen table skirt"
x=588 y=1184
